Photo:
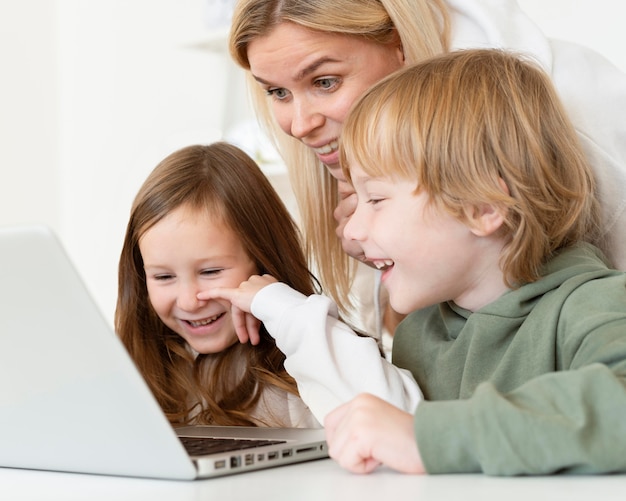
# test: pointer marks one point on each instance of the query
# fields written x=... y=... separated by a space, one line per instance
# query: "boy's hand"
x=367 y=432
x=246 y=325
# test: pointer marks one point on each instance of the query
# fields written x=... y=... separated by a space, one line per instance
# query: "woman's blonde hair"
x=423 y=28
x=222 y=388
x=461 y=123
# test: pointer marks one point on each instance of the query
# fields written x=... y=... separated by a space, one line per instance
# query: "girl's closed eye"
x=162 y=277
x=211 y=272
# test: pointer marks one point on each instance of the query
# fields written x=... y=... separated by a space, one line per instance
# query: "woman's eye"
x=278 y=93
x=326 y=83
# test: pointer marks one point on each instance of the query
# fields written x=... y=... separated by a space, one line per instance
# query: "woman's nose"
x=305 y=119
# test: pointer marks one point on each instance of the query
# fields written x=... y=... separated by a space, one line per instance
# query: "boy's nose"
x=355 y=228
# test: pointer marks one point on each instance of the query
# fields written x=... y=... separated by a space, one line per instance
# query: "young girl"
x=207 y=217
x=475 y=198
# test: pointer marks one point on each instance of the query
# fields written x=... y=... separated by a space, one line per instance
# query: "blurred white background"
x=95 y=92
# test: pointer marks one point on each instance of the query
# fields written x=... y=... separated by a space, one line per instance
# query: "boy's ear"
x=486 y=219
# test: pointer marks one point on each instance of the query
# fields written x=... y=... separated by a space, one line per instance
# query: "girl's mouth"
x=206 y=321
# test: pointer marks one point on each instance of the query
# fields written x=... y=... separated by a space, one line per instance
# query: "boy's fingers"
x=240 y=324
x=252 y=327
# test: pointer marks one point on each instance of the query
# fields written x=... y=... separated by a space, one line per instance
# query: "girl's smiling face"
x=313 y=77
x=185 y=253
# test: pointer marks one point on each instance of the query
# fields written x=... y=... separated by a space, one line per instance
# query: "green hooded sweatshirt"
x=533 y=383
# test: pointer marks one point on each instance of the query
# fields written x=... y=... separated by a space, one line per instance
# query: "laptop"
x=72 y=400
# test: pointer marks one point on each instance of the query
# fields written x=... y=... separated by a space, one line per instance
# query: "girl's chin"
x=212 y=347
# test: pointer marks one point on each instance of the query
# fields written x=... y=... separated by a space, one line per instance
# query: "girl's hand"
x=367 y=432
x=246 y=325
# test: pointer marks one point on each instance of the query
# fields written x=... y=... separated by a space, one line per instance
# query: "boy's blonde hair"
x=423 y=28
x=461 y=123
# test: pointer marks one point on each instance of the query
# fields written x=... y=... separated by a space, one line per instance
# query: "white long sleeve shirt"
x=329 y=361
x=592 y=89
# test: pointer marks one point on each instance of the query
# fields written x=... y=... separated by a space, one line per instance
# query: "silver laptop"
x=72 y=400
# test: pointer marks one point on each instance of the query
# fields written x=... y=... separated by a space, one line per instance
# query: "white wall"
x=29 y=140
x=95 y=92
x=133 y=88
x=598 y=24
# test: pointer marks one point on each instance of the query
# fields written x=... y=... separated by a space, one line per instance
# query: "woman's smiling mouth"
x=327 y=148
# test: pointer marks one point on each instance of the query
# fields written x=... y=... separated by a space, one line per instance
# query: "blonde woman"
x=308 y=60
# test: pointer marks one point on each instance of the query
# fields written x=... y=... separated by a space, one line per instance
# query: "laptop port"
x=287 y=453
x=272 y=455
x=235 y=461
x=249 y=459
x=306 y=449
x=220 y=464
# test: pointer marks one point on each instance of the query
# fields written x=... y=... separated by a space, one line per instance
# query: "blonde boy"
x=475 y=199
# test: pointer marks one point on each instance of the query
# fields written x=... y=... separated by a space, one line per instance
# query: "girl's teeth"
x=205 y=322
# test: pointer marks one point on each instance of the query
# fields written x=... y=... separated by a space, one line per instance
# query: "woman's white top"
x=592 y=89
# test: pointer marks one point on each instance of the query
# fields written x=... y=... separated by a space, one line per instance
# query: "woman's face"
x=313 y=77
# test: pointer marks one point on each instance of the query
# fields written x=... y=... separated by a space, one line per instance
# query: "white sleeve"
x=328 y=360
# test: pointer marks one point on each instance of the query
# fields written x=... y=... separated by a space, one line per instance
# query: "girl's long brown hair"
x=209 y=389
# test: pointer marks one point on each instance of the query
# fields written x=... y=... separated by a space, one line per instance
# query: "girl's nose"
x=187 y=299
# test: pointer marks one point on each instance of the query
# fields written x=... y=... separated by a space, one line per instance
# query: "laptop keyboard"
x=201 y=446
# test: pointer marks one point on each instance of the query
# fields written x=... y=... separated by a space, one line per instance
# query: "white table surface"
x=321 y=480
